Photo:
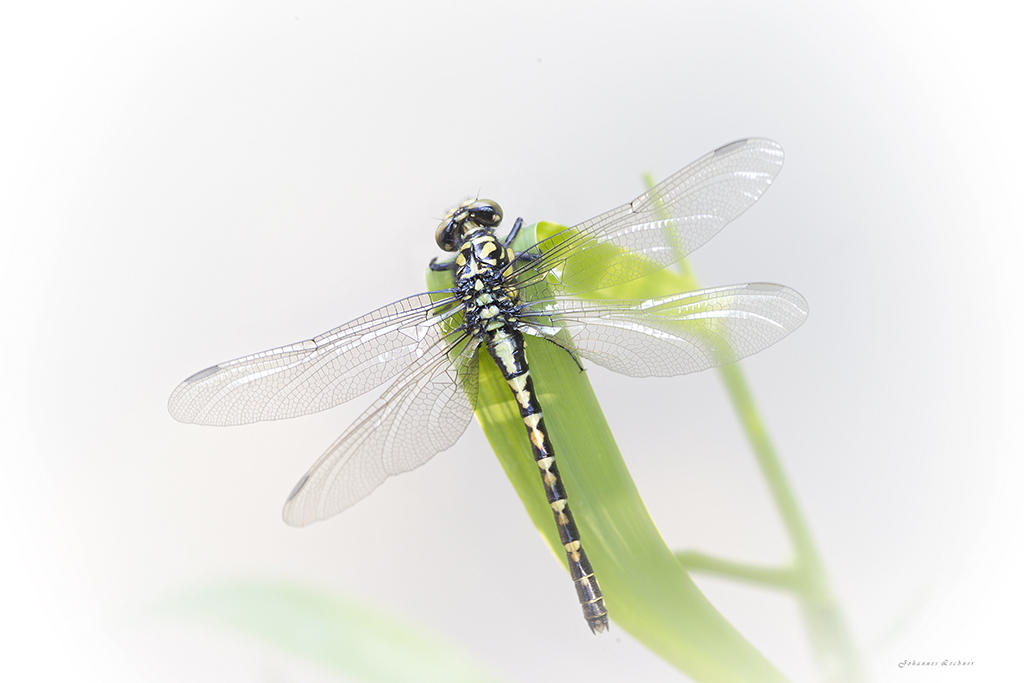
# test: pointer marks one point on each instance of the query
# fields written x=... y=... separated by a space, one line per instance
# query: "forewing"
x=663 y=224
x=315 y=374
x=682 y=333
x=423 y=413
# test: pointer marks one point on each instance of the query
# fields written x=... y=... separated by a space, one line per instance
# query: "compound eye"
x=445 y=235
x=485 y=212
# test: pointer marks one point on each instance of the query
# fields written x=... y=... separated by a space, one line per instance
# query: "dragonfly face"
x=466 y=219
x=429 y=344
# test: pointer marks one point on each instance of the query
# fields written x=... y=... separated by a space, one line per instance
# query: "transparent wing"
x=422 y=414
x=660 y=226
x=681 y=333
x=315 y=374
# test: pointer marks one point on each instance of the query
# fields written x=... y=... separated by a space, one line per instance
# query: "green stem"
x=783 y=578
x=830 y=636
x=831 y=639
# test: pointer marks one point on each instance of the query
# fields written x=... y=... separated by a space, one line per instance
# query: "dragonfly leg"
x=447 y=265
x=514 y=232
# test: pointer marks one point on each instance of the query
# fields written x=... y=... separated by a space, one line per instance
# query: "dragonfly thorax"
x=491 y=300
x=471 y=217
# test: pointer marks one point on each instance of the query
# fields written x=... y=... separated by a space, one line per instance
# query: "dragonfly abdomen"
x=505 y=345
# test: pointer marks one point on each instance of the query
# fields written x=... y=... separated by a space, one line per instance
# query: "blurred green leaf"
x=351 y=640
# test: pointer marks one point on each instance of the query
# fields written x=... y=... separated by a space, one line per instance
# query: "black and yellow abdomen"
x=492 y=308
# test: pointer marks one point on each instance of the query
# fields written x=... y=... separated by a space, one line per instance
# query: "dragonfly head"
x=465 y=219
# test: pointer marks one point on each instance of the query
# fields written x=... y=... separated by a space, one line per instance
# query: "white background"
x=183 y=183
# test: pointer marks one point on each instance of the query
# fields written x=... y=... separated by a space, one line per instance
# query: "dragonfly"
x=430 y=345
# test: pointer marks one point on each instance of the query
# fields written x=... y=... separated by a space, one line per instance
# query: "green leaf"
x=646 y=590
